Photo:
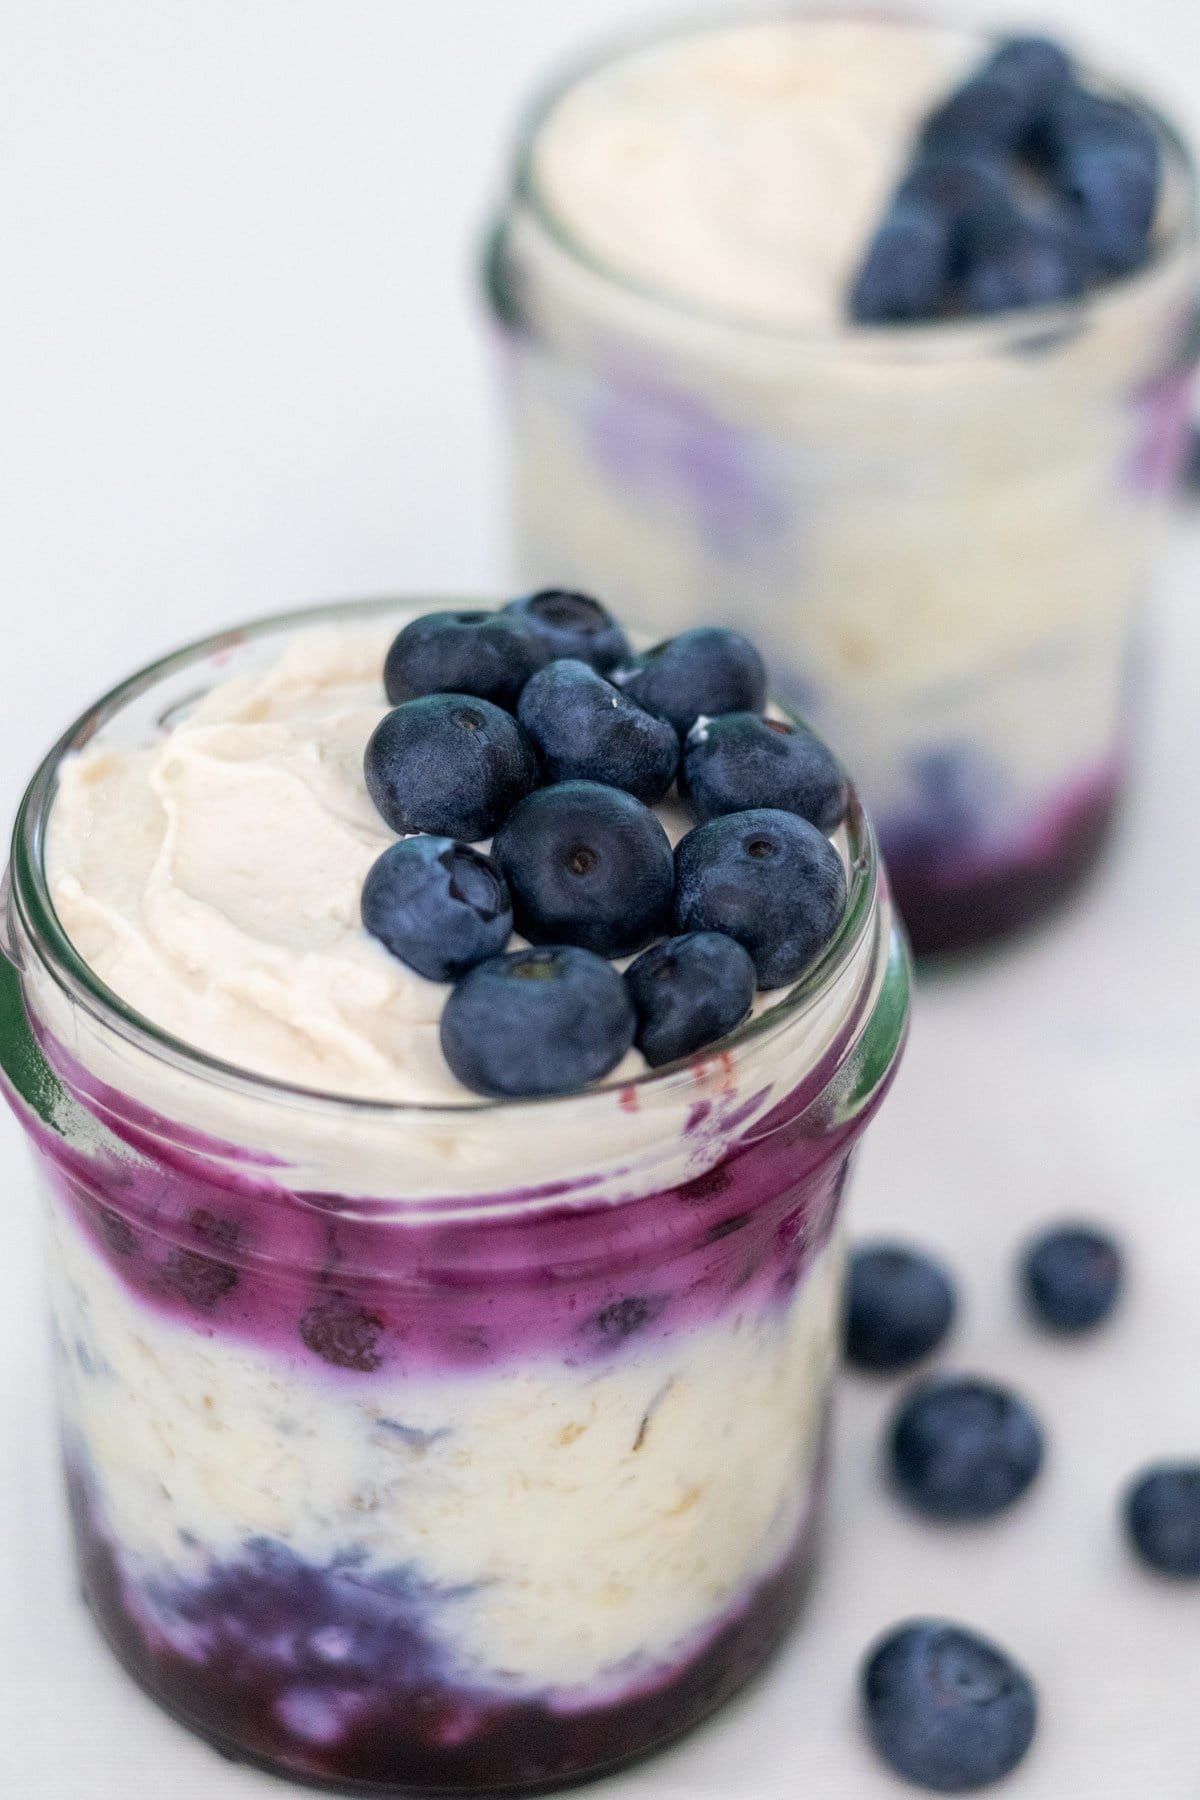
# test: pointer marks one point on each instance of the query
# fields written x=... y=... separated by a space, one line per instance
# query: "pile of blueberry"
x=945 y=1707
x=537 y=727
x=1025 y=188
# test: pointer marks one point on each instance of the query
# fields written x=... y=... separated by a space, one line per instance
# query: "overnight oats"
x=445 y=1317
x=876 y=338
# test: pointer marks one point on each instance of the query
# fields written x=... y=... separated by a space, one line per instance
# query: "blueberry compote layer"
x=447 y=1504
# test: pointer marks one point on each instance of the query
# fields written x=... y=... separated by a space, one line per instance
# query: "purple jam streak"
x=331 y=1675
x=958 y=901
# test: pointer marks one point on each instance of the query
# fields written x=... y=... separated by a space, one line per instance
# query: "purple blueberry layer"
x=957 y=900
x=332 y=1675
x=222 y=1244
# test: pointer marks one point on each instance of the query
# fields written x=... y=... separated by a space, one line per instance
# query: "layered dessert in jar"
x=444 y=1044
x=875 y=337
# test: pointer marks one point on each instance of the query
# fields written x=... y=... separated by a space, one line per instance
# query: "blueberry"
x=687 y=992
x=199 y=1279
x=585 y=729
x=743 y=760
x=767 y=879
x=905 y=273
x=622 y=1318
x=587 y=865
x=449 y=764
x=572 y=625
x=899 y=1306
x=439 y=906
x=997 y=109
x=545 y=1021
x=963 y=1448
x=706 y=671
x=486 y=654
x=343 y=1333
x=1013 y=259
x=946 y=1708
x=1162 y=1516
x=1072 y=1276
x=1105 y=158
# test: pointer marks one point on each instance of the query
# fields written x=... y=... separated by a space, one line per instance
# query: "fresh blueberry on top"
x=585 y=729
x=707 y=670
x=439 y=906
x=767 y=879
x=1162 y=1517
x=542 y=1021
x=574 y=625
x=1037 y=66
x=743 y=760
x=899 y=1307
x=1105 y=158
x=586 y=865
x=963 y=1448
x=688 y=992
x=490 y=655
x=1071 y=1277
x=449 y=764
x=998 y=108
x=946 y=1708
x=905 y=273
x=1013 y=259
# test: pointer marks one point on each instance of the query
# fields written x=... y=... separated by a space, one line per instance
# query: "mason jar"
x=943 y=534
x=460 y=1447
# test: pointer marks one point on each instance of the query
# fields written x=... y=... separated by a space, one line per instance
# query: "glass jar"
x=942 y=534
x=454 y=1448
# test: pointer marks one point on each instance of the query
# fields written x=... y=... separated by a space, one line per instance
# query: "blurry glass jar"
x=445 y=1448
x=941 y=534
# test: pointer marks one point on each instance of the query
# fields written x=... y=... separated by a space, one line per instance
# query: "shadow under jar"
x=451 y=1449
x=942 y=534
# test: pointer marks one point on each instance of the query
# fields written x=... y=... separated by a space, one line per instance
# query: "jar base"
x=948 y=910
x=512 y=1747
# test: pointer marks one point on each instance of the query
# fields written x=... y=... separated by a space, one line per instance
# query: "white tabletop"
x=243 y=367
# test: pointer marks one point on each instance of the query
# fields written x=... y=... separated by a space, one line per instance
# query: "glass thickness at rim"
x=933 y=338
x=30 y=895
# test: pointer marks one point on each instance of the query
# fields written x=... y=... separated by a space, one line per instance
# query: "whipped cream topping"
x=745 y=168
x=213 y=879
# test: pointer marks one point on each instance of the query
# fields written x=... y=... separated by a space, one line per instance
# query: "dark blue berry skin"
x=541 y=1021
x=707 y=671
x=587 y=865
x=743 y=760
x=1072 y=1277
x=1105 y=158
x=899 y=1306
x=486 y=654
x=1162 y=1517
x=997 y=109
x=573 y=625
x=687 y=993
x=905 y=273
x=963 y=1448
x=1015 y=259
x=946 y=1708
x=440 y=906
x=767 y=879
x=585 y=729
x=448 y=764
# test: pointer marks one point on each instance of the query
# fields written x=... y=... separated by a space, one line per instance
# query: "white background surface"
x=241 y=366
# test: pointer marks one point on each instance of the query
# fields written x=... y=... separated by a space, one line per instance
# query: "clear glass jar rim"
x=30 y=896
x=905 y=343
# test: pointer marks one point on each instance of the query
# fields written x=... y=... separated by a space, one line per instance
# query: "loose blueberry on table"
x=580 y=864
x=1072 y=1278
x=1025 y=188
x=1162 y=1517
x=899 y=1306
x=945 y=1708
x=963 y=1448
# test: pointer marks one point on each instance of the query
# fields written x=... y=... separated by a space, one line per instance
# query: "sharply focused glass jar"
x=942 y=534
x=462 y=1448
